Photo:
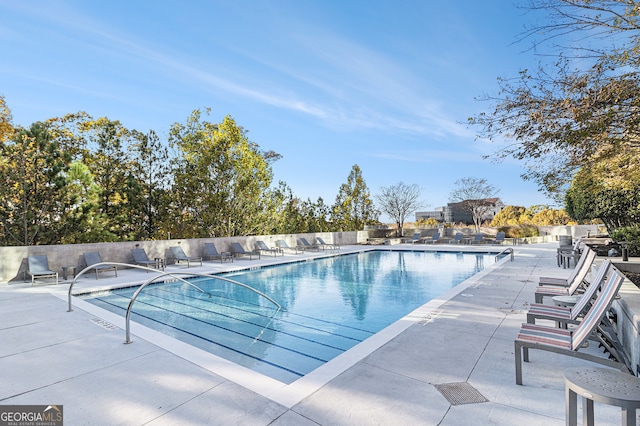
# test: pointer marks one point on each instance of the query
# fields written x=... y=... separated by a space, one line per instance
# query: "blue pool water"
x=328 y=306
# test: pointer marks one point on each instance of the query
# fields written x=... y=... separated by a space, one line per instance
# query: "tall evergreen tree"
x=353 y=207
x=148 y=191
x=31 y=182
x=109 y=161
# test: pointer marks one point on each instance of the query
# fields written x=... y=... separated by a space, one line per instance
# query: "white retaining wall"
x=13 y=260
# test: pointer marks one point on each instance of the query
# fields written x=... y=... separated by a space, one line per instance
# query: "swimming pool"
x=328 y=306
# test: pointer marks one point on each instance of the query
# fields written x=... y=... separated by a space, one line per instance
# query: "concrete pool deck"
x=77 y=359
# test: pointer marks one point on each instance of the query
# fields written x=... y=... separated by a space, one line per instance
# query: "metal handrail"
x=507 y=250
x=135 y=295
x=90 y=267
x=173 y=274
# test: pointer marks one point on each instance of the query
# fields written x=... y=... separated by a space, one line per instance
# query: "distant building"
x=460 y=213
x=437 y=214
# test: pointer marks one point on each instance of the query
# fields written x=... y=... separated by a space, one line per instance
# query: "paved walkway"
x=462 y=342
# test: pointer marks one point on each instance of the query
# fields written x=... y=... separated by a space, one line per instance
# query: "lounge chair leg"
x=518 y=363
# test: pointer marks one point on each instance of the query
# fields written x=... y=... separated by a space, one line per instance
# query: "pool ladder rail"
x=173 y=275
x=507 y=250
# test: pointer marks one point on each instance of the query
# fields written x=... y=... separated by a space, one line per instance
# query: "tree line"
x=76 y=179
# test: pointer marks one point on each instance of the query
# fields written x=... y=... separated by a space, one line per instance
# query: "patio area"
x=461 y=341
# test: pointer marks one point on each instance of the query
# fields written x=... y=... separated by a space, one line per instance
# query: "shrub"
x=428 y=223
x=519 y=231
x=631 y=235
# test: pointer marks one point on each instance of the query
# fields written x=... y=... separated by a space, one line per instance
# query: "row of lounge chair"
x=459 y=238
x=574 y=325
x=38 y=265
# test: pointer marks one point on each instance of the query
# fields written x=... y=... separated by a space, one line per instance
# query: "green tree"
x=608 y=191
x=109 y=162
x=148 y=192
x=81 y=220
x=582 y=107
x=285 y=216
x=221 y=179
x=398 y=201
x=316 y=216
x=353 y=207
x=31 y=183
x=68 y=132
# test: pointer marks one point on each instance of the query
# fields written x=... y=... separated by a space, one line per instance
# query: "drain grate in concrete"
x=104 y=324
x=460 y=393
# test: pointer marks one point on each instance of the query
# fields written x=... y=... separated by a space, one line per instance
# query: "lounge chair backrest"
x=478 y=237
x=500 y=236
x=436 y=236
x=304 y=241
x=92 y=257
x=581 y=270
x=237 y=248
x=139 y=255
x=321 y=241
x=458 y=236
x=38 y=264
x=282 y=244
x=210 y=249
x=598 y=310
x=262 y=245
x=576 y=245
x=178 y=253
x=592 y=289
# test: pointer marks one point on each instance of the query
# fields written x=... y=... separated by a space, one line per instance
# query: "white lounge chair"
x=571 y=341
x=569 y=315
x=550 y=286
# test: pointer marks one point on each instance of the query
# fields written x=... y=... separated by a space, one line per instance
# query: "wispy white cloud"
x=429 y=156
x=362 y=89
x=359 y=87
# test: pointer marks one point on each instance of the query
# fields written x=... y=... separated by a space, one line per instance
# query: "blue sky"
x=387 y=85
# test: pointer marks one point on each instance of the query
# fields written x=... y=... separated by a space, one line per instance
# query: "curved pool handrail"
x=127 y=265
x=173 y=274
x=505 y=251
x=135 y=295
